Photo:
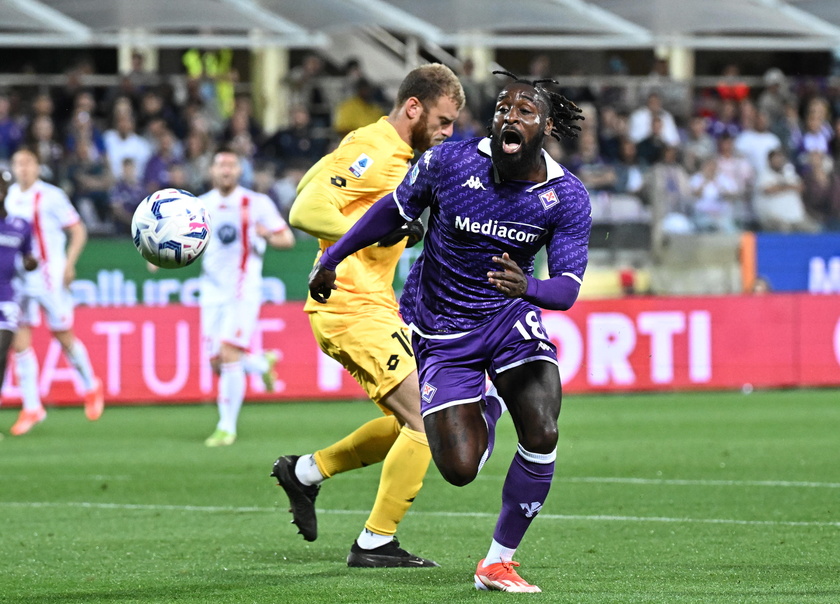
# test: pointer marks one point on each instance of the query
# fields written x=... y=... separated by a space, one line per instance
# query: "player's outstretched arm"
x=382 y=218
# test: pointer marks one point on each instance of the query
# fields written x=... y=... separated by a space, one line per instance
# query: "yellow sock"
x=367 y=445
x=402 y=476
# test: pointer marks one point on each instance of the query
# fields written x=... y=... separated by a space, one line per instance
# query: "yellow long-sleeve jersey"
x=369 y=163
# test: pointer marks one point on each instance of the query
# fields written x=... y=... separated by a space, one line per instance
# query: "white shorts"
x=57 y=305
x=231 y=322
x=9 y=316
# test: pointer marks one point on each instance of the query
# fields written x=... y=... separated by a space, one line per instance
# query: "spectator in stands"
x=651 y=147
x=629 y=171
x=42 y=104
x=83 y=126
x=671 y=194
x=352 y=73
x=65 y=95
x=242 y=120
x=156 y=174
x=358 y=110
x=125 y=195
x=726 y=121
x=816 y=136
x=88 y=179
x=153 y=107
x=821 y=192
x=539 y=68
x=775 y=95
x=756 y=141
x=245 y=148
x=789 y=128
x=307 y=87
x=198 y=156
x=479 y=101
x=283 y=190
x=299 y=140
x=641 y=121
x=778 y=199
x=675 y=95
x=157 y=130
x=588 y=165
x=698 y=145
x=731 y=87
x=466 y=126
x=42 y=140
x=712 y=210
x=11 y=131
x=739 y=172
x=122 y=141
x=612 y=129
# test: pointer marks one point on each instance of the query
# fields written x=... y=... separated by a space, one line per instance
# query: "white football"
x=171 y=228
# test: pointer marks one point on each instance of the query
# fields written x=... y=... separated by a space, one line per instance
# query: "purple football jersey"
x=15 y=239
x=472 y=218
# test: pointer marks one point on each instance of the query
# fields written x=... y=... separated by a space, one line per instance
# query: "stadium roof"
x=718 y=24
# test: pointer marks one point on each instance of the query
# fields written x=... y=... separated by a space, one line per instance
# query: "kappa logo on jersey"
x=427 y=157
x=543 y=346
x=531 y=509
x=338 y=181
x=474 y=183
x=428 y=392
x=360 y=166
x=549 y=199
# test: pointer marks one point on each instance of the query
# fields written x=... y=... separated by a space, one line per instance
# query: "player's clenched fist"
x=511 y=280
x=321 y=283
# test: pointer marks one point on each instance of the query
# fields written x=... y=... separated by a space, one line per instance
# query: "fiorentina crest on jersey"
x=428 y=392
x=549 y=198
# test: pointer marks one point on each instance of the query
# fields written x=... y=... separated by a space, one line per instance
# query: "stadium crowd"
x=724 y=158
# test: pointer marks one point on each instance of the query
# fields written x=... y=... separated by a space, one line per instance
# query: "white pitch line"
x=566 y=517
x=63 y=477
x=702 y=483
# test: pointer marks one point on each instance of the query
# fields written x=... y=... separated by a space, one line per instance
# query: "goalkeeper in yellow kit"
x=360 y=326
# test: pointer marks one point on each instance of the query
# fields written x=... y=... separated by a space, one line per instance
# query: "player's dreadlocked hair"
x=560 y=109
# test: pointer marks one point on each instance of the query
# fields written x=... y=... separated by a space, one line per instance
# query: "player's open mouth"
x=511 y=141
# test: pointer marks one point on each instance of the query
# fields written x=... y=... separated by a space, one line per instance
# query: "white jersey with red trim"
x=231 y=267
x=49 y=211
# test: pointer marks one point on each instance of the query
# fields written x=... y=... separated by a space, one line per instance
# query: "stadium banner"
x=154 y=354
x=110 y=272
x=799 y=262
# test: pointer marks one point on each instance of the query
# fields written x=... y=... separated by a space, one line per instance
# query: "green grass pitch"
x=667 y=498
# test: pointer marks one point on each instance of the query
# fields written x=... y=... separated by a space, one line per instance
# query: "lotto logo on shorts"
x=428 y=392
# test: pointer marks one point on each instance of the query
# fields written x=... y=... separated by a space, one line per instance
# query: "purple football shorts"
x=452 y=370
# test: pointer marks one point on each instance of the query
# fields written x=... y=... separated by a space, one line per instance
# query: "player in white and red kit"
x=58 y=238
x=244 y=223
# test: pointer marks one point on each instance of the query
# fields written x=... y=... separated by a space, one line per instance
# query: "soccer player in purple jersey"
x=473 y=304
x=15 y=242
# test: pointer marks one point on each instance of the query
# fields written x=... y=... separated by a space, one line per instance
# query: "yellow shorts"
x=374 y=345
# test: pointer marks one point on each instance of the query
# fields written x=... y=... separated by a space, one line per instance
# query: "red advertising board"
x=154 y=354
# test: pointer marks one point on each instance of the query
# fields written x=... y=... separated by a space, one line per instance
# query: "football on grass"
x=171 y=228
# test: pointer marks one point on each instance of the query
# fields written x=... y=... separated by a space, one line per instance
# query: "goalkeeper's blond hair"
x=428 y=83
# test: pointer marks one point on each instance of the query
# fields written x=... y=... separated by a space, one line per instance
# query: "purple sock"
x=526 y=487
